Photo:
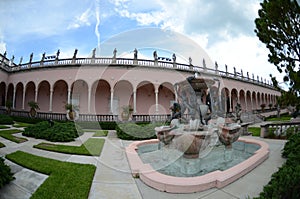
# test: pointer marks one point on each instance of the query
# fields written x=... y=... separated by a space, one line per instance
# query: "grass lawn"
x=21 y=124
x=4 y=127
x=98 y=133
x=92 y=147
x=282 y=118
x=254 y=130
x=8 y=134
x=66 y=180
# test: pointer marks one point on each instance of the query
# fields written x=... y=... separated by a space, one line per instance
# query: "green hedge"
x=27 y=119
x=59 y=132
x=285 y=183
x=5 y=173
x=133 y=131
x=5 y=119
x=97 y=125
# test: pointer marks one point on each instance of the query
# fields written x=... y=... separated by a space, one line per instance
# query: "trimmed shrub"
x=133 y=131
x=27 y=119
x=59 y=132
x=37 y=130
x=291 y=146
x=5 y=173
x=5 y=119
x=285 y=183
x=98 y=125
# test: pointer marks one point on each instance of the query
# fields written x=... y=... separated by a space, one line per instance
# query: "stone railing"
x=87 y=117
x=280 y=128
x=131 y=63
x=151 y=118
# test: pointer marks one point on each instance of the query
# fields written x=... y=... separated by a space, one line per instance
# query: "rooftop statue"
x=135 y=54
x=31 y=56
x=43 y=56
x=216 y=66
x=75 y=53
x=115 y=53
x=57 y=53
x=155 y=55
x=94 y=53
x=203 y=62
x=174 y=57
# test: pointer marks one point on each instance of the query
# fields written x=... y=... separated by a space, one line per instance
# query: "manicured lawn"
x=282 y=118
x=98 y=133
x=4 y=127
x=66 y=180
x=254 y=130
x=8 y=134
x=21 y=124
x=92 y=147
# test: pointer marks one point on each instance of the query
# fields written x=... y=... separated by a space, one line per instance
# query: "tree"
x=278 y=26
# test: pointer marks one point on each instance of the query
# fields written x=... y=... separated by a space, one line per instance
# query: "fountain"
x=197 y=151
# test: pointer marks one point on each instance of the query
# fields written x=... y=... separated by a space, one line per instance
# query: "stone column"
x=69 y=95
x=23 y=102
x=230 y=105
x=14 y=98
x=89 y=99
x=50 y=100
x=36 y=95
x=111 y=100
x=156 y=101
x=134 y=101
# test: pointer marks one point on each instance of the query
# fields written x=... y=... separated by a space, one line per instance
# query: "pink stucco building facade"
x=102 y=86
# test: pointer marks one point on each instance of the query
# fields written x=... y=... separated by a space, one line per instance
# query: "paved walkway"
x=113 y=179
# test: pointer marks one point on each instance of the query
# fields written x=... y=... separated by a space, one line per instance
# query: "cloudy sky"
x=223 y=28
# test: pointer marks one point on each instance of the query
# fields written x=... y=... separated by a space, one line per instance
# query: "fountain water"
x=196 y=151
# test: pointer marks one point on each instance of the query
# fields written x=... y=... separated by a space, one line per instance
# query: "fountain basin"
x=173 y=184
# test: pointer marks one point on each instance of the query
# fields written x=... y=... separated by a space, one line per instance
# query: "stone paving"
x=113 y=178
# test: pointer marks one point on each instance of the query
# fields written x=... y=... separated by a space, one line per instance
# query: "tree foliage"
x=278 y=26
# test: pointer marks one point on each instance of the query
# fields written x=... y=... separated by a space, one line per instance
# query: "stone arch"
x=100 y=99
x=213 y=94
x=79 y=95
x=166 y=97
x=267 y=101
x=234 y=98
x=254 y=100
x=243 y=100
x=59 y=97
x=123 y=96
x=263 y=101
x=19 y=96
x=145 y=98
x=10 y=93
x=258 y=100
x=249 y=101
x=2 y=93
x=29 y=94
x=225 y=100
x=43 y=98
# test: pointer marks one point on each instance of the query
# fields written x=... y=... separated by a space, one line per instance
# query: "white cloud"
x=243 y=52
x=32 y=17
x=82 y=20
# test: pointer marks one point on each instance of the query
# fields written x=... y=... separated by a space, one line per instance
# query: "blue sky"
x=223 y=28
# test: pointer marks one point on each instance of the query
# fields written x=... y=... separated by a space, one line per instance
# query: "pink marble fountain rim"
x=174 y=184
